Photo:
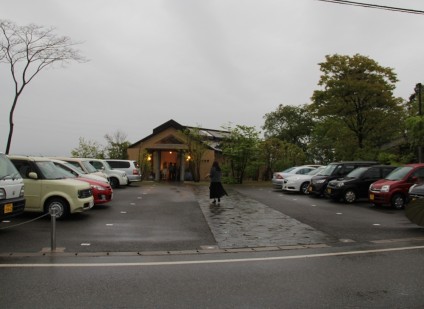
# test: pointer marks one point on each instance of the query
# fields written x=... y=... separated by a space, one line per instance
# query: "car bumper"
x=277 y=183
x=134 y=178
x=12 y=207
x=82 y=205
x=379 y=198
x=333 y=193
x=102 y=197
x=317 y=188
x=290 y=187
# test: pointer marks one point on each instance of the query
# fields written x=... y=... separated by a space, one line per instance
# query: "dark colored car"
x=356 y=184
x=333 y=171
x=414 y=209
x=393 y=189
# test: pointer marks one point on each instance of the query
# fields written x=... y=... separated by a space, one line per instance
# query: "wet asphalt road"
x=166 y=246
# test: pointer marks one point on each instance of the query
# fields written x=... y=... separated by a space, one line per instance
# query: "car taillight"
x=279 y=177
x=135 y=172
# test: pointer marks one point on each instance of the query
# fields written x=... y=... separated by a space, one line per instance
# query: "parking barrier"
x=22 y=223
x=52 y=213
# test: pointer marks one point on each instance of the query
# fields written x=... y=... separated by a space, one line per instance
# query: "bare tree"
x=28 y=50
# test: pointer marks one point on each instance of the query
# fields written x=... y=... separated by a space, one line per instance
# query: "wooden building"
x=168 y=148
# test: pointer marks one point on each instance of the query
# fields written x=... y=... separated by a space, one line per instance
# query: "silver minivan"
x=131 y=167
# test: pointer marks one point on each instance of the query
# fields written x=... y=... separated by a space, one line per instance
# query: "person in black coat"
x=216 y=190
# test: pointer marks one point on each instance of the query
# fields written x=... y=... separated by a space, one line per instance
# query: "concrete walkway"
x=241 y=222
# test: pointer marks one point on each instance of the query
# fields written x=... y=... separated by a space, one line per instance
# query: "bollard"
x=53 y=212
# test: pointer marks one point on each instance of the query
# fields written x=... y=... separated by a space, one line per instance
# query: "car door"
x=98 y=165
x=371 y=175
x=32 y=186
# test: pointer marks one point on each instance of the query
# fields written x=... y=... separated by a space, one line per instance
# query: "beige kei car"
x=46 y=189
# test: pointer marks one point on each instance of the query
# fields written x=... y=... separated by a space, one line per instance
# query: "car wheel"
x=398 y=201
x=349 y=196
x=114 y=182
x=304 y=188
x=59 y=205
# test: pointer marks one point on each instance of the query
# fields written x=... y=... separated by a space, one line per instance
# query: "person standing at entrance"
x=216 y=190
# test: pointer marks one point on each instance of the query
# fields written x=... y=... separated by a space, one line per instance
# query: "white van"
x=12 y=200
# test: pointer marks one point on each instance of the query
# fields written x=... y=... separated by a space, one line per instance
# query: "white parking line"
x=211 y=261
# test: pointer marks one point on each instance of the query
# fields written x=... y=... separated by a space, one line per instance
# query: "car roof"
x=70 y=159
x=28 y=158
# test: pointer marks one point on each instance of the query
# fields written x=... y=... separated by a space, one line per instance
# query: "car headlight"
x=97 y=187
x=385 y=188
x=340 y=184
x=320 y=181
x=2 y=194
x=22 y=193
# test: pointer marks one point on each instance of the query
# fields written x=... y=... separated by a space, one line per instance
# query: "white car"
x=300 y=183
x=277 y=178
x=84 y=165
x=78 y=172
x=116 y=177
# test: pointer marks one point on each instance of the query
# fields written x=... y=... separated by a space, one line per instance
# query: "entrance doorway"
x=170 y=165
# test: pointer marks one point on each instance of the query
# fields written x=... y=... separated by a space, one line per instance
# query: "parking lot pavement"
x=242 y=222
x=162 y=217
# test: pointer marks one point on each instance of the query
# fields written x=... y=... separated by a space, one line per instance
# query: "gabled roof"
x=213 y=137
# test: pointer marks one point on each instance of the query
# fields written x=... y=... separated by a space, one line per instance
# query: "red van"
x=393 y=190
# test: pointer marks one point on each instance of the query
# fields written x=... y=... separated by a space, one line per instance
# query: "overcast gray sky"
x=199 y=62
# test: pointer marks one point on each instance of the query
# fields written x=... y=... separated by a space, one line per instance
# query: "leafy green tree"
x=28 y=50
x=238 y=148
x=117 y=145
x=289 y=123
x=357 y=95
x=197 y=146
x=277 y=155
x=88 y=149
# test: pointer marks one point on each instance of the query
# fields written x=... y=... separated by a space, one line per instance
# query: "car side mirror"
x=33 y=175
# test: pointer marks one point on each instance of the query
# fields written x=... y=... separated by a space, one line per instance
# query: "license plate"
x=310 y=189
x=371 y=197
x=328 y=190
x=8 y=208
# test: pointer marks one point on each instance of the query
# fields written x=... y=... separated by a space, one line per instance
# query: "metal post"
x=53 y=212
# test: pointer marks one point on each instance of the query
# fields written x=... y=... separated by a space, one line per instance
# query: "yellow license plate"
x=371 y=197
x=310 y=189
x=8 y=208
x=329 y=190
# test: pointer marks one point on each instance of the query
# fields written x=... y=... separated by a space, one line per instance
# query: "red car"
x=102 y=191
x=393 y=189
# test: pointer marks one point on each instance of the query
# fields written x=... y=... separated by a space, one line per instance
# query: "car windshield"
x=73 y=168
x=315 y=171
x=329 y=169
x=289 y=169
x=357 y=172
x=399 y=173
x=7 y=169
x=90 y=168
x=50 y=171
x=69 y=169
x=65 y=173
x=107 y=165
